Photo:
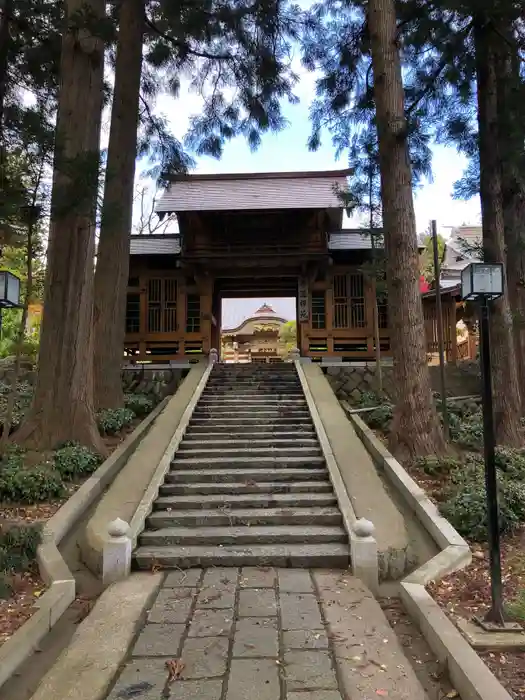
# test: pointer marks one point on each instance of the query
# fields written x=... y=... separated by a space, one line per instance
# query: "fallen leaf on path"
x=453 y=694
x=382 y=693
x=175 y=668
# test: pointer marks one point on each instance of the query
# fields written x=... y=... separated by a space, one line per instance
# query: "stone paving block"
x=195 y=690
x=211 y=623
x=217 y=597
x=315 y=695
x=205 y=657
x=309 y=670
x=143 y=678
x=300 y=612
x=305 y=639
x=159 y=640
x=189 y=578
x=257 y=602
x=257 y=577
x=220 y=576
x=172 y=606
x=252 y=679
x=256 y=636
x=295 y=581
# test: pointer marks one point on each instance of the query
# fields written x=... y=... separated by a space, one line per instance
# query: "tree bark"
x=511 y=134
x=111 y=276
x=504 y=366
x=62 y=407
x=416 y=428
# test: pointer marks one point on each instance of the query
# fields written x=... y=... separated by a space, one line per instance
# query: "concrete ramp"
x=365 y=488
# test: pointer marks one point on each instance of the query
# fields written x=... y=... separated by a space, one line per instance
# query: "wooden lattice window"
x=162 y=305
x=193 y=313
x=349 y=300
x=133 y=313
x=318 y=310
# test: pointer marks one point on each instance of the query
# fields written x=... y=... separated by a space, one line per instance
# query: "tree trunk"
x=416 y=428
x=6 y=8
x=111 y=276
x=62 y=408
x=510 y=139
x=504 y=367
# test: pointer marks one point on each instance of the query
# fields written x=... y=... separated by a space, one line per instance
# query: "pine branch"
x=184 y=47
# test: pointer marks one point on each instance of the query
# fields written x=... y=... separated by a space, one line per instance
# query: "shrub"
x=511 y=462
x=32 y=485
x=18 y=547
x=466 y=504
x=468 y=432
x=73 y=460
x=379 y=419
x=438 y=465
x=140 y=404
x=516 y=607
x=113 y=420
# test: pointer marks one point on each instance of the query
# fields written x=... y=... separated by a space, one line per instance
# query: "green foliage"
x=22 y=401
x=139 y=404
x=18 y=545
x=427 y=256
x=73 y=460
x=467 y=430
x=438 y=466
x=465 y=503
x=381 y=417
x=113 y=420
x=516 y=607
x=30 y=485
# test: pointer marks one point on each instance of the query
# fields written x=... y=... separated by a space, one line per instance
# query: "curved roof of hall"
x=254 y=191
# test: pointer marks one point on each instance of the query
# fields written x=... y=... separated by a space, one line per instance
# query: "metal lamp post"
x=9 y=292
x=483 y=283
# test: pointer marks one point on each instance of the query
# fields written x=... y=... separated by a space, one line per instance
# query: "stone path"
x=266 y=634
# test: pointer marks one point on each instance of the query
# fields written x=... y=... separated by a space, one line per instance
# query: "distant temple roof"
x=264 y=310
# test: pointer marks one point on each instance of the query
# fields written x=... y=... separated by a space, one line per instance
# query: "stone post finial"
x=364 y=554
x=364 y=528
x=116 y=555
x=213 y=356
x=294 y=354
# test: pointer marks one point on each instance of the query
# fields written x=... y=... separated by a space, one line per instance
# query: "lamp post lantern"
x=482 y=283
x=9 y=292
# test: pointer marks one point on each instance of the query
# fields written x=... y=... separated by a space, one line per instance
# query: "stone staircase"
x=248 y=485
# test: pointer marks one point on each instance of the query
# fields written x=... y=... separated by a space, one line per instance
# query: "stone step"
x=239 y=413
x=255 y=384
x=246 y=500
x=248 y=486
x=324 y=555
x=248 y=462
x=249 y=421
x=260 y=535
x=247 y=443
x=269 y=401
x=218 y=427
x=230 y=476
x=199 y=517
x=251 y=437
x=275 y=452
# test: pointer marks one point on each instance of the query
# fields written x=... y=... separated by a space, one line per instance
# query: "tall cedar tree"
x=238 y=45
x=416 y=428
x=504 y=365
x=111 y=275
x=62 y=407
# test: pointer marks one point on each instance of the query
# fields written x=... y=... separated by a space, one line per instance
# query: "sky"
x=287 y=151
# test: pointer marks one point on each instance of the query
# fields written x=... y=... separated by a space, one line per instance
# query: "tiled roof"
x=193 y=193
x=155 y=245
x=351 y=239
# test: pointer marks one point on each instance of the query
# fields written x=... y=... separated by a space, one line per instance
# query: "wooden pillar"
x=329 y=302
x=370 y=301
x=453 y=332
x=143 y=291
